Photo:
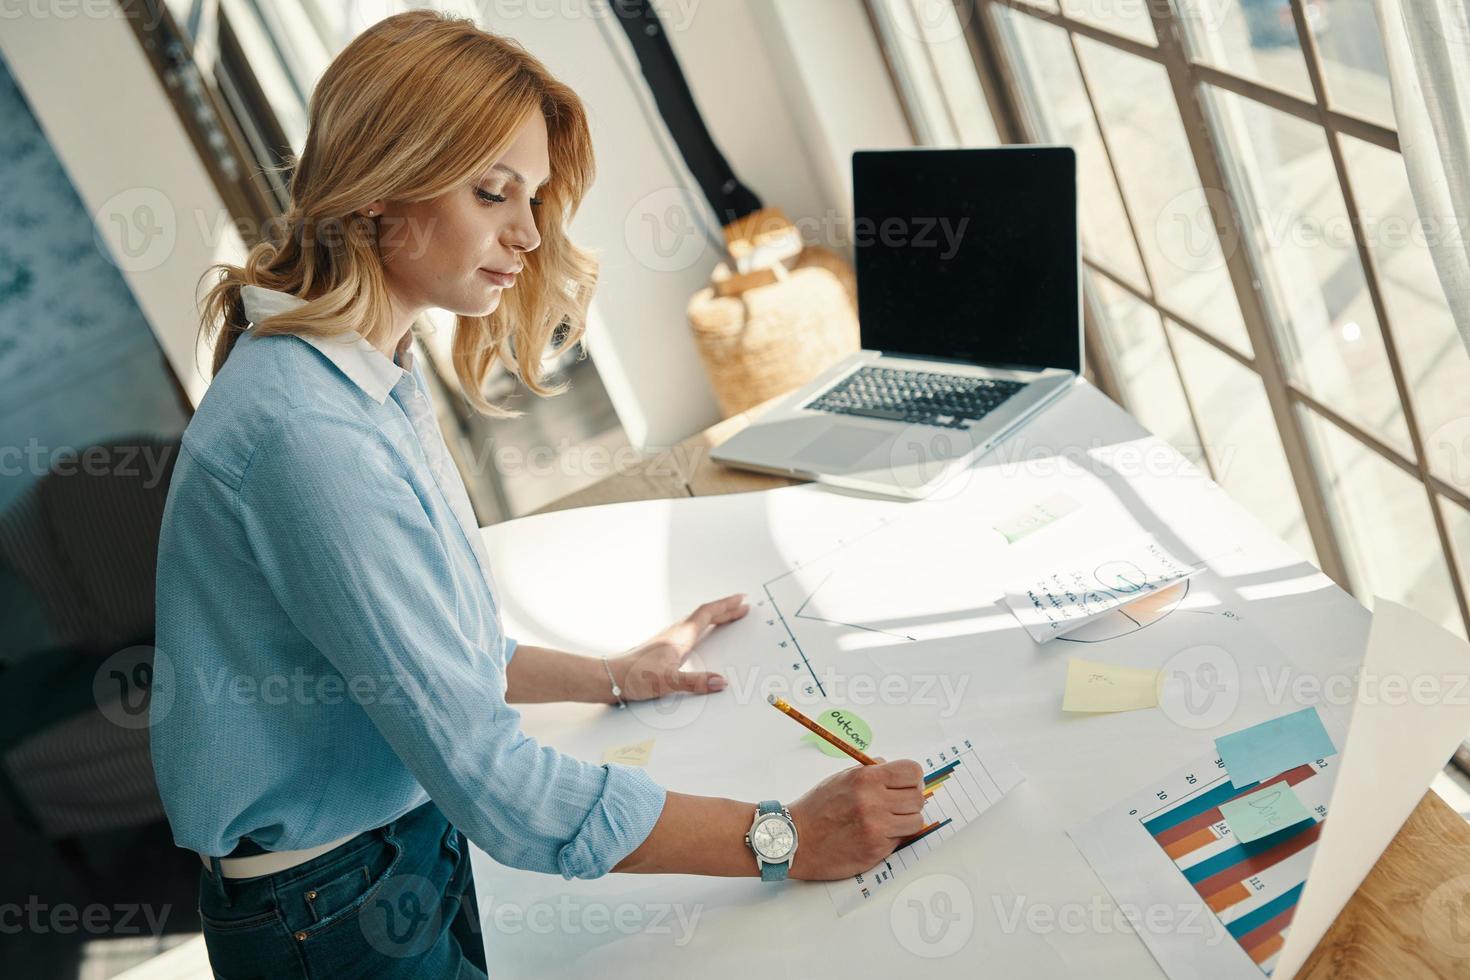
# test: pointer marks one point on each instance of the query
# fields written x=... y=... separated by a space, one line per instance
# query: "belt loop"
x=219 y=881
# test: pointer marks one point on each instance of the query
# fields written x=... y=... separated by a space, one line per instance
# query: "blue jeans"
x=393 y=902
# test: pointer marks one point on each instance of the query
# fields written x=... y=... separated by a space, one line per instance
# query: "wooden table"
x=1410 y=917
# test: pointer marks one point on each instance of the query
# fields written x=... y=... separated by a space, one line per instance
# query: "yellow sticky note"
x=630 y=755
x=1105 y=687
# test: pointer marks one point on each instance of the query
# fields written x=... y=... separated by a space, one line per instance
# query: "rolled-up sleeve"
x=340 y=531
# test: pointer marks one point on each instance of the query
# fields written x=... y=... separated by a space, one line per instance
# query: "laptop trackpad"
x=841 y=446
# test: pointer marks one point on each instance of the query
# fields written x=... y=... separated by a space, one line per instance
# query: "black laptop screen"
x=969 y=254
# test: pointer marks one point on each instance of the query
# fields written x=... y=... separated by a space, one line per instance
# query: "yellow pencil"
x=780 y=705
x=822 y=733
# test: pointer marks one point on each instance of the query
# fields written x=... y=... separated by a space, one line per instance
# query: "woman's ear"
x=372 y=209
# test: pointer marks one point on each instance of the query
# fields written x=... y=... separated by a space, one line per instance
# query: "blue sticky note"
x=1274 y=746
x=1263 y=812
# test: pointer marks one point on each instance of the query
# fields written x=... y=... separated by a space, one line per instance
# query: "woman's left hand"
x=653 y=669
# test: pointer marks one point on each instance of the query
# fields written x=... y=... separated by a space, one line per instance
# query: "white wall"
x=836 y=87
x=112 y=126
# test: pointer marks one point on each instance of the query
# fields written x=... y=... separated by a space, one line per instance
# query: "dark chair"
x=74 y=758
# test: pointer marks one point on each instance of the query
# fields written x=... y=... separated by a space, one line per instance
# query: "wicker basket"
x=770 y=339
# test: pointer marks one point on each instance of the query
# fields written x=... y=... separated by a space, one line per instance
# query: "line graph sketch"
x=801 y=613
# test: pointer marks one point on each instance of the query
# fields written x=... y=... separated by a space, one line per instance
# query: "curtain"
x=1428 y=47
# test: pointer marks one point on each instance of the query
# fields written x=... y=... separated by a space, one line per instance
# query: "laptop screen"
x=971 y=255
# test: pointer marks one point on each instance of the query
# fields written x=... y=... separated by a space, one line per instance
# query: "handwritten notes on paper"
x=1057 y=602
x=1261 y=751
x=630 y=755
x=1262 y=813
x=846 y=725
x=1036 y=517
x=1105 y=687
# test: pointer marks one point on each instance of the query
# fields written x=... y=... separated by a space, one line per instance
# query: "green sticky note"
x=1036 y=517
x=846 y=725
x=1263 y=812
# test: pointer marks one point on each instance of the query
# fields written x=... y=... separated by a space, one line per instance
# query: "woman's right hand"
x=853 y=819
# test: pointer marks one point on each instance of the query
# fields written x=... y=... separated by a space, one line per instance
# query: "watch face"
x=772 y=839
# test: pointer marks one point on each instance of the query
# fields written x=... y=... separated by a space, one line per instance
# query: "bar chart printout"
x=1204 y=903
x=965 y=785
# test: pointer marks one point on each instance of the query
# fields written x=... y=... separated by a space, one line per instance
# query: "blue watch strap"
x=770 y=871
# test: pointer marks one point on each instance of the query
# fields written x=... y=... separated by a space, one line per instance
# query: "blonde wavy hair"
x=416 y=105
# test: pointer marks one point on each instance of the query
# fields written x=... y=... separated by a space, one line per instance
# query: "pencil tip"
x=770 y=699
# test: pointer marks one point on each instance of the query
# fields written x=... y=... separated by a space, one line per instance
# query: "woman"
x=341 y=718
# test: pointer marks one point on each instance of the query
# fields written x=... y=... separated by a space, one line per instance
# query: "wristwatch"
x=773 y=839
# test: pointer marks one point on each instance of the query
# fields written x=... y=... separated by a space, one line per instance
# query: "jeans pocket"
x=257 y=947
x=325 y=899
x=343 y=896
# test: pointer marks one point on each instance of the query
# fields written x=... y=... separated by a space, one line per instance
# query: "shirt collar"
x=365 y=365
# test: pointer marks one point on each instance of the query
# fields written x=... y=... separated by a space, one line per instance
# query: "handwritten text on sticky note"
x=1263 y=812
x=630 y=755
x=1106 y=687
x=846 y=725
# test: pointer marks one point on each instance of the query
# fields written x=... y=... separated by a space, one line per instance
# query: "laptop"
x=969 y=277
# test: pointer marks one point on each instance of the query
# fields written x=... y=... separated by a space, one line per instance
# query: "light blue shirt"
x=327 y=613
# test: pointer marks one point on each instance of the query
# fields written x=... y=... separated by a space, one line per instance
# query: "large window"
x=1258 y=282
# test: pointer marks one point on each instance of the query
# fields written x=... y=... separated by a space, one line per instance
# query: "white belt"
x=272 y=861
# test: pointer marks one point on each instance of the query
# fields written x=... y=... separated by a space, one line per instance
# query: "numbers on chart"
x=1255 y=884
x=1162 y=795
x=1191 y=779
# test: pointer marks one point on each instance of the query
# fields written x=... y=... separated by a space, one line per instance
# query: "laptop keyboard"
x=922 y=397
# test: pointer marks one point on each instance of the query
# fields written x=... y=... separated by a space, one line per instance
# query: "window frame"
x=1190 y=82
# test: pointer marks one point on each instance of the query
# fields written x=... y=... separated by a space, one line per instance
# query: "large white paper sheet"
x=905 y=626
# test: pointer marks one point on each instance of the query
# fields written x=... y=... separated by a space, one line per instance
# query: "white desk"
x=1018 y=855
